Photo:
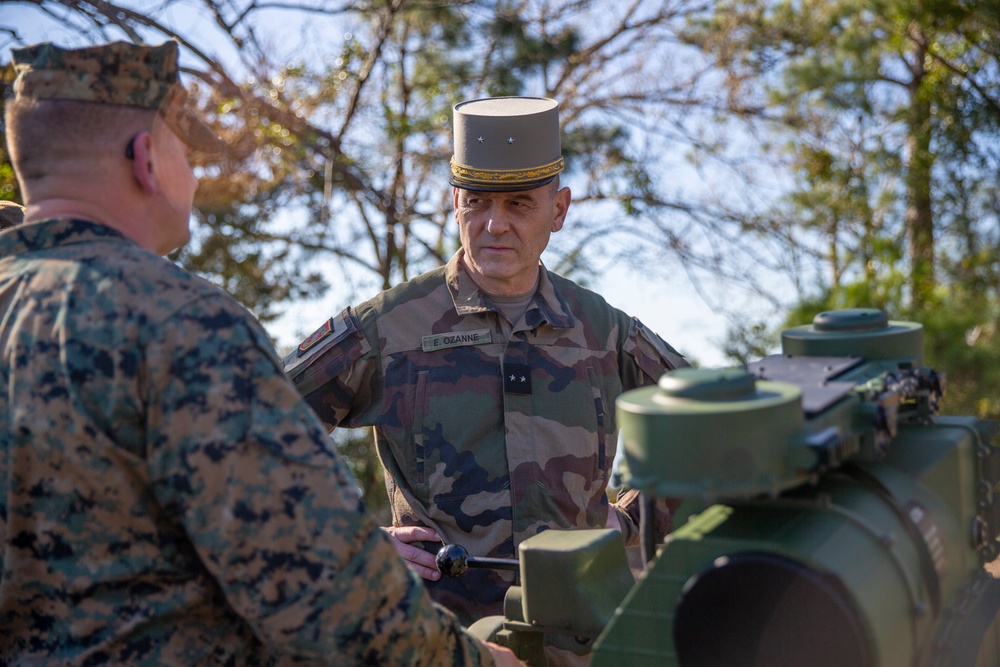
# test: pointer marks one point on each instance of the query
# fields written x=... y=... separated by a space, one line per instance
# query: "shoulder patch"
x=338 y=327
x=333 y=331
x=316 y=336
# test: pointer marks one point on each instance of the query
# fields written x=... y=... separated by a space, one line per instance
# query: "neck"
x=515 y=287
x=52 y=208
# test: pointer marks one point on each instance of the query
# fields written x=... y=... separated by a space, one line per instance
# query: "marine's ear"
x=142 y=153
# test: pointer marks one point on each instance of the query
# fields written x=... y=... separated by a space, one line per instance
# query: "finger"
x=418 y=556
x=429 y=573
x=413 y=533
x=420 y=561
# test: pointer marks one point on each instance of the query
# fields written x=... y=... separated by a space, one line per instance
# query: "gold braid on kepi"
x=506 y=144
x=474 y=179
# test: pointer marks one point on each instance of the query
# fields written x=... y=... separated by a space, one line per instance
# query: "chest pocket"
x=448 y=433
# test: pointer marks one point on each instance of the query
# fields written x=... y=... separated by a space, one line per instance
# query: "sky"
x=669 y=306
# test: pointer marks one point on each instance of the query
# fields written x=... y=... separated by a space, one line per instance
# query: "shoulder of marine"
x=105 y=261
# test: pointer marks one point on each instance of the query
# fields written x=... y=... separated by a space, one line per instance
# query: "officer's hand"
x=503 y=657
x=419 y=560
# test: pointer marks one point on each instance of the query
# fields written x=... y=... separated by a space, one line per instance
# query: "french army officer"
x=490 y=381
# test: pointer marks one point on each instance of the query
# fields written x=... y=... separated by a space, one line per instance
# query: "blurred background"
x=736 y=166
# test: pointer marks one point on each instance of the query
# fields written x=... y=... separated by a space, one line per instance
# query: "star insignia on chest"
x=517 y=379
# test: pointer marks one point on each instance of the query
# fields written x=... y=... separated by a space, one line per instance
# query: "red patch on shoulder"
x=317 y=335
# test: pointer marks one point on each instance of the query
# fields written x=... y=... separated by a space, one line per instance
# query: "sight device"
x=830 y=517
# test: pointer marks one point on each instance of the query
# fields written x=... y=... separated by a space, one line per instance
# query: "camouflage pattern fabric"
x=137 y=75
x=488 y=441
x=166 y=497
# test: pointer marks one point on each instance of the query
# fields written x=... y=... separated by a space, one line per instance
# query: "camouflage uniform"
x=485 y=440
x=166 y=497
x=11 y=214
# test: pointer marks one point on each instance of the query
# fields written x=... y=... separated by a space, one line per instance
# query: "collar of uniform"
x=551 y=305
x=51 y=233
x=548 y=306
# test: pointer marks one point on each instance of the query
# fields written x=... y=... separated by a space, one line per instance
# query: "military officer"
x=166 y=497
x=491 y=381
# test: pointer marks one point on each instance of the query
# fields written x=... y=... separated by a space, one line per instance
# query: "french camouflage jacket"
x=166 y=497
x=486 y=440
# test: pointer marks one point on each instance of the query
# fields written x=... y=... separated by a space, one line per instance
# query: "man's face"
x=177 y=187
x=504 y=234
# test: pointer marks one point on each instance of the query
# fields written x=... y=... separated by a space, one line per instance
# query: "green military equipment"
x=571 y=584
x=831 y=516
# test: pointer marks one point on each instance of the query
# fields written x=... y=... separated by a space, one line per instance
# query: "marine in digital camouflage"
x=486 y=440
x=166 y=497
x=120 y=73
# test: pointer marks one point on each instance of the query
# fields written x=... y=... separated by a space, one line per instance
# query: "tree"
x=887 y=117
x=339 y=135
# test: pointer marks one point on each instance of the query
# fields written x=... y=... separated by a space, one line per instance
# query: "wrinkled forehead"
x=540 y=193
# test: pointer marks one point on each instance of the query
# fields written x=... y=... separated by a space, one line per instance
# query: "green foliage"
x=886 y=110
x=358 y=448
x=9 y=188
x=749 y=341
x=890 y=118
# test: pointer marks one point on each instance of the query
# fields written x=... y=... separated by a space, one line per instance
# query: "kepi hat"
x=135 y=75
x=504 y=144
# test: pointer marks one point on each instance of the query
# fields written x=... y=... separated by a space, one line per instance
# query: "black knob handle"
x=453 y=560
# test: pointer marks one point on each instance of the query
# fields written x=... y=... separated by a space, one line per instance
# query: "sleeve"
x=270 y=507
x=650 y=353
x=333 y=369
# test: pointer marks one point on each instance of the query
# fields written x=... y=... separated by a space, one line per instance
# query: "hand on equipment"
x=420 y=561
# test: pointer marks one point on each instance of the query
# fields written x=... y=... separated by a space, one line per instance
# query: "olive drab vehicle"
x=830 y=517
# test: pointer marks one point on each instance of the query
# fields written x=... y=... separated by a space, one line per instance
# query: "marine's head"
x=111 y=119
x=119 y=74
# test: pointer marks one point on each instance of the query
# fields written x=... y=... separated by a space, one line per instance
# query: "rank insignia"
x=516 y=379
x=317 y=336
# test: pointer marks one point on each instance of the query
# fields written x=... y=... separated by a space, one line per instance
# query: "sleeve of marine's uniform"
x=645 y=357
x=242 y=462
x=332 y=368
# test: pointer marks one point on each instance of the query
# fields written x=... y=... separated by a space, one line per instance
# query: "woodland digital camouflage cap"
x=506 y=143
x=119 y=73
